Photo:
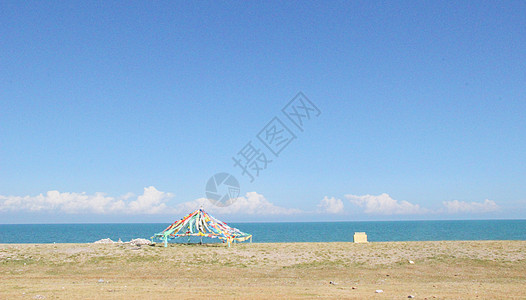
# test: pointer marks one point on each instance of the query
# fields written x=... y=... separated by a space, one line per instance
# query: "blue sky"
x=121 y=112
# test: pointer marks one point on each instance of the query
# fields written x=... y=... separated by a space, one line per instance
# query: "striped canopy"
x=201 y=224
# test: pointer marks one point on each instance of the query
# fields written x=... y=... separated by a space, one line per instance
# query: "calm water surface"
x=281 y=232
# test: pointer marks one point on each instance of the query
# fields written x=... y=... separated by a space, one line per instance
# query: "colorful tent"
x=201 y=224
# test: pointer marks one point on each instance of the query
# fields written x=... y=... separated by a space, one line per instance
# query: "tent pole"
x=165 y=241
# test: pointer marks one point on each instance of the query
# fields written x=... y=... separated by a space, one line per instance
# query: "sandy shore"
x=474 y=269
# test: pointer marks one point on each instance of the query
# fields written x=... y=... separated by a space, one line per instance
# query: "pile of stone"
x=141 y=242
x=134 y=242
x=104 y=241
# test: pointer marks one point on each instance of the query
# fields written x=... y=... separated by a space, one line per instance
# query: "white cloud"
x=385 y=205
x=252 y=204
x=151 y=201
x=330 y=205
x=456 y=206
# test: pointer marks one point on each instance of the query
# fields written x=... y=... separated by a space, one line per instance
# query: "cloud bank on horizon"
x=384 y=204
x=330 y=205
x=153 y=202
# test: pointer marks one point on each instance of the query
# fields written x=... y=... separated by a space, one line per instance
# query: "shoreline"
x=157 y=243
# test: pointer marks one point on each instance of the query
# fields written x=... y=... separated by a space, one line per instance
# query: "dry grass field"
x=441 y=270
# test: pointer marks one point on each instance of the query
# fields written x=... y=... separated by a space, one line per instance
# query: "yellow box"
x=360 y=237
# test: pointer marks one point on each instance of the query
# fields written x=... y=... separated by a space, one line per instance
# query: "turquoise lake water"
x=281 y=232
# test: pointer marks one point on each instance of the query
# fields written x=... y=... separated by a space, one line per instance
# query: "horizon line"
x=258 y=222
